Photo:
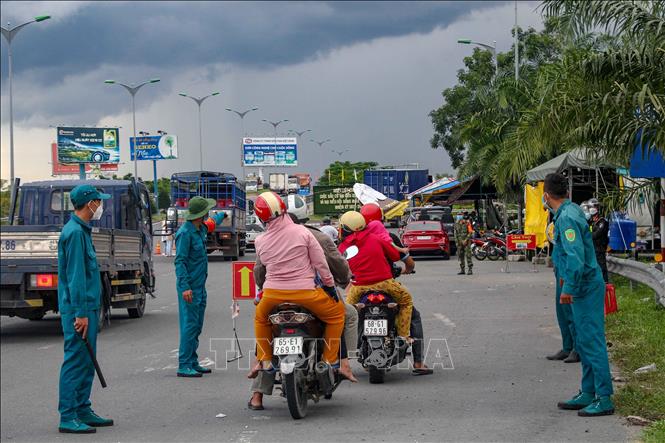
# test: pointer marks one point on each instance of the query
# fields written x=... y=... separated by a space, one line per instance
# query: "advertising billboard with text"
x=88 y=145
x=269 y=151
x=154 y=147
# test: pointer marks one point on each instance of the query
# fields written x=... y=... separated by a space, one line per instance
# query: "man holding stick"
x=79 y=294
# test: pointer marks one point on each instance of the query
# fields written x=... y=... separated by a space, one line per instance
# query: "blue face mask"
x=459 y=217
x=587 y=215
x=546 y=206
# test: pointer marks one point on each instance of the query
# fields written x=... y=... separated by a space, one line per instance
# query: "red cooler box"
x=610 y=299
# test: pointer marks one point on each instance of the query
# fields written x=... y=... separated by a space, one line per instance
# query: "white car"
x=253 y=231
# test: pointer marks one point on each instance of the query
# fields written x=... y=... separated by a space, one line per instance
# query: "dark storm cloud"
x=176 y=35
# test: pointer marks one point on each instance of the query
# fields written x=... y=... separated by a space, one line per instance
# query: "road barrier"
x=641 y=273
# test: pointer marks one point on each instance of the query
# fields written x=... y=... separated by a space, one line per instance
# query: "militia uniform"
x=463 y=231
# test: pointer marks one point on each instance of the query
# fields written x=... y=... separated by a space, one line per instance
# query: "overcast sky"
x=364 y=74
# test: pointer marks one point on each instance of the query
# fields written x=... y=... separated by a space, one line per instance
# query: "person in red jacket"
x=369 y=258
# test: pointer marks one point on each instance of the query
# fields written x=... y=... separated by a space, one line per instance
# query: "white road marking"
x=207 y=362
x=149 y=369
x=446 y=321
x=44 y=347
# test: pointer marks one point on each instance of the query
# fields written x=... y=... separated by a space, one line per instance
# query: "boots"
x=561 y=355
x=600 y=406
x=573 y=357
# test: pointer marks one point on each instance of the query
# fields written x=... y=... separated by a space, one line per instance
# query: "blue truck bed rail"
x=224 y=188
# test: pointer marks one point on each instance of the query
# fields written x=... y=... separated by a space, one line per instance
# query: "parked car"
x=426 y=238
x=442 y=214
x=253 y=231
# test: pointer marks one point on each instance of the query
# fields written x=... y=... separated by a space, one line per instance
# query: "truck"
x=230 y=236
x=278 y=182
x=304 y=183
x=293 y=185
x=122 y=239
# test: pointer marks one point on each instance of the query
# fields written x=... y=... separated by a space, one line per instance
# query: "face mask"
x=547 y=206
x=459 y=217
x=593 y=211
x=587 y=215
x=97 y=213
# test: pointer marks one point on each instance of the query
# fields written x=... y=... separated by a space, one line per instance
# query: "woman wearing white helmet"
x=293 y=259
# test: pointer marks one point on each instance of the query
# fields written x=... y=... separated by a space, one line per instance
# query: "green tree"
x=163 y=199
x=345 y=173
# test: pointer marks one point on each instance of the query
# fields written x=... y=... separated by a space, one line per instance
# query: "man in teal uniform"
x=79 y=294
x=583 y=287
x=191 y=270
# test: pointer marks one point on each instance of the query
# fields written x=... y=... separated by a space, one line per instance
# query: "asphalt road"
x=496 y=385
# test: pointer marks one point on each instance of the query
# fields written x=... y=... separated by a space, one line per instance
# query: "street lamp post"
x=242 y=115
x=299 y=134
x=199 y=101
x=274 y=125
x=9 y=33
x=320 y=143
x=133 y=89
x=492 y=48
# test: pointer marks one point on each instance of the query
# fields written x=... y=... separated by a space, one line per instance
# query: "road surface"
x=491 y=381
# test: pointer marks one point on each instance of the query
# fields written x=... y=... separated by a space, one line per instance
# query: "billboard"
x=269 y=151
x=88 y=145
x=334 y=199
x=58 y=168
x=154 y=147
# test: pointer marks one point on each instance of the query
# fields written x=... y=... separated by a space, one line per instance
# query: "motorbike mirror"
x=360 y=306
x=392 y=305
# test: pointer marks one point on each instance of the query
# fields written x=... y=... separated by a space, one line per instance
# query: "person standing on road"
x=191 y=270
x=463 y=231
x=600 y=230
x=79 y=295
x=582 y=286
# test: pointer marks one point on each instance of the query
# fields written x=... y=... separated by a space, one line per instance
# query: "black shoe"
x=461 y=272
x=470 y=272
x=573 y=357
x=561 y=355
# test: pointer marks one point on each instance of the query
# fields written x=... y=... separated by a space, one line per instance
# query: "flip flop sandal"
x=422 y=371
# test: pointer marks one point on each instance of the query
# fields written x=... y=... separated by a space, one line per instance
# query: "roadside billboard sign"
x=154 y=147
x=334 y=199
x=58 y=168
x=269 y=151
x=88 y=145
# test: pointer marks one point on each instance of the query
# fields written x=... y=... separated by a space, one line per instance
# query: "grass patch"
x=637 y=333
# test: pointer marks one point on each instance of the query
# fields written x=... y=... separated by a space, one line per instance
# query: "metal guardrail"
x=641 y=273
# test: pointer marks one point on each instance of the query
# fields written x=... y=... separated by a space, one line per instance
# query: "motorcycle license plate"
x=376 y=328
x=287 y=345
x=423 y=237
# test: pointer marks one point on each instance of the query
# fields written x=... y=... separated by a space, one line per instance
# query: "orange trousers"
x=314 y=300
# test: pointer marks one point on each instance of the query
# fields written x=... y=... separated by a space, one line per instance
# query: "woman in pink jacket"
x=293 y=258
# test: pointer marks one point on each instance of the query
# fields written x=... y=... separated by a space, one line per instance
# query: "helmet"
x=269 y=206
x=372 y=211
x=352 y=221
x=593 y=202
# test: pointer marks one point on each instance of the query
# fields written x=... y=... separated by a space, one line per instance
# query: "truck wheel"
x=37 y=317
x=242 y=253
x=105 y=303
x=139 y=310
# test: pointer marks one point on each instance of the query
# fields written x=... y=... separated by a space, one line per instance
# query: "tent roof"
x=577 y=158
x=442 y=184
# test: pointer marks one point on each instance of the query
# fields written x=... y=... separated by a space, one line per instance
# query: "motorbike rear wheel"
x=376 y=375
x=493 y=253
x=296 y=396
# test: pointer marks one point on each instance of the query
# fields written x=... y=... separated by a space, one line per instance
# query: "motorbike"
x=479 y=248
x=297 y=350
x=379 y=346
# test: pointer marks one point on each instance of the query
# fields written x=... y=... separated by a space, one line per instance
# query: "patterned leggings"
x=398 y=292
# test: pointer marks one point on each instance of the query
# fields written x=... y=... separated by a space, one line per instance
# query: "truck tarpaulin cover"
x=536 y=217
x=391 y=208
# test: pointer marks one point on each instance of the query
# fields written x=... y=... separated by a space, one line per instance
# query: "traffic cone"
x=158 y=248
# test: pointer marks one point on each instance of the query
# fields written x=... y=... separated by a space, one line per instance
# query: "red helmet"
x=269 y=206
x=372 y=211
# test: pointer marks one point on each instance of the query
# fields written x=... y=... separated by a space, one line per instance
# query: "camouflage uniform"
x=463 y=242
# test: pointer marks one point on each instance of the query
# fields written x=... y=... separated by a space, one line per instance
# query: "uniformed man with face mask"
x=79 y=294
x=582 y=287
x=600 y=229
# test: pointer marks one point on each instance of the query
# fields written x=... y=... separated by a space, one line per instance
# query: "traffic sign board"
x=518 y=242
x=244 y=287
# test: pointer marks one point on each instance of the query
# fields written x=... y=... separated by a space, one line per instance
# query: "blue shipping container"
x=396 y=183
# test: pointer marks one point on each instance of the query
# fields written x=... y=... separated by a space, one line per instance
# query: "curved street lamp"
x=321 y=142
x=9 y=33
x=133 y=89
x=491 y=48
x=199 y=101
